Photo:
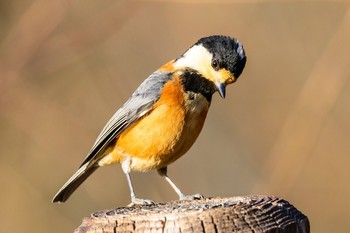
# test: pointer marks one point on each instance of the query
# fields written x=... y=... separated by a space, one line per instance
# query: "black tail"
x=73 y=183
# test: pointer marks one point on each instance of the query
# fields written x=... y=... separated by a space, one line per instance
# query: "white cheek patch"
x=197 y=58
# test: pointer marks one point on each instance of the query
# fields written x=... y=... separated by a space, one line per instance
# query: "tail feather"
x=73 y=183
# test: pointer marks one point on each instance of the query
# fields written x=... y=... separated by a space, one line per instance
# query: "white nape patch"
x=197 y=58
x=240 y=50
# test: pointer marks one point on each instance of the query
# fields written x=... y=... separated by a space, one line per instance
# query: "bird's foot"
x=139 y=201
x=196 y=196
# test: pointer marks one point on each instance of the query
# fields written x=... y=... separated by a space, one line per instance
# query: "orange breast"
x=163 y=135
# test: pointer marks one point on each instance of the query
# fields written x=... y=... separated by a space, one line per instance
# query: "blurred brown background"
x=284 y=128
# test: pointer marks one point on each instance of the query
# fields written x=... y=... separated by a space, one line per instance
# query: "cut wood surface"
x=232 y=214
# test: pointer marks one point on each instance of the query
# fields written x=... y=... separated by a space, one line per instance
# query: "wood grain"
x=232 y=214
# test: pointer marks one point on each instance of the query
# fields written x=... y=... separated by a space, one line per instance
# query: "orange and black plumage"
x=164 y=116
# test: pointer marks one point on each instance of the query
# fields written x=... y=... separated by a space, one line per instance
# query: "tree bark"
x=232 y=214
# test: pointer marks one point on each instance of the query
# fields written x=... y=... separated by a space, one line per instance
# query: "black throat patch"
x=194 y=82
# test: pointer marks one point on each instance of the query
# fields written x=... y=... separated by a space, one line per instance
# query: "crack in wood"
x=234 y=214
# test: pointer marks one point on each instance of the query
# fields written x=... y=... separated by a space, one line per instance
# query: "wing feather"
x=139 y=104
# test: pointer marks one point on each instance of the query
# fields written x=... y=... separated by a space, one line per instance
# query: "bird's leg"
x=163 y=173
x=134 y=199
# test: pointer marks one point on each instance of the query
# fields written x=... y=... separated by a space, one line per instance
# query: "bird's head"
x=219 y=59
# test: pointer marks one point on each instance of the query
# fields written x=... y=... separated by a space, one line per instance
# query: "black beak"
x=221 y=87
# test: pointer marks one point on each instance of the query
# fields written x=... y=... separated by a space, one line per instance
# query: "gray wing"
x=138 y=105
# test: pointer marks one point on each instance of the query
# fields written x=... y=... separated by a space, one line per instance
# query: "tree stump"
x=232 y=214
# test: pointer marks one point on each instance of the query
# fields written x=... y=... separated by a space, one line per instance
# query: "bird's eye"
x=215 y=64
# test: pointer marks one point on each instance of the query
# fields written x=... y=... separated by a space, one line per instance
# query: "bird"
x=164 y=116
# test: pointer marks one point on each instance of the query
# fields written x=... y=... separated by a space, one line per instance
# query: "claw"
x=196 y=196
x=139 y=201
